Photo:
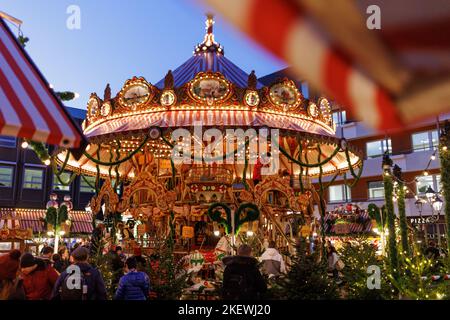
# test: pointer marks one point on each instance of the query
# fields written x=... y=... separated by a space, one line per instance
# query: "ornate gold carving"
x=278 y=184
x=106 y=192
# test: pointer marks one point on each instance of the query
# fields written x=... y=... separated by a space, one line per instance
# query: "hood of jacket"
x=271 y=254
x=243 y=260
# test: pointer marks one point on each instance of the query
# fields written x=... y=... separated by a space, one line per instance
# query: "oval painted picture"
x=283 y=95
x=93 y=107
x=136 y=95
x=210 y=89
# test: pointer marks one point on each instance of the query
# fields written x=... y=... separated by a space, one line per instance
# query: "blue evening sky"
x=119 y=39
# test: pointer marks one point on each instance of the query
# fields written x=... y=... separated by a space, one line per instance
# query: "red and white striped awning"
x=33 y=219
x=207 y=118
x=373 y=74
x=28 y=107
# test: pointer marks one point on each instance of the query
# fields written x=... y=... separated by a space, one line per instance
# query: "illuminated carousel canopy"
x=211 y=91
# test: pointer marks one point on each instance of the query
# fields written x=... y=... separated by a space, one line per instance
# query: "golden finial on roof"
x=209 y=44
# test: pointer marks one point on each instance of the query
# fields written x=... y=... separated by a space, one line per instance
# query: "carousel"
x=213 y=152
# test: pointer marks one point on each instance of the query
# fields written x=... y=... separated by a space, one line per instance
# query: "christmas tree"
x=307 y=279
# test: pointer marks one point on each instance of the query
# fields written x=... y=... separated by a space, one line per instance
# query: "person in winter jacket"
x=241 y=278
x=273 y=263
x=38 y=277
x=9 y=265
x=93 y=279
x=134 y=285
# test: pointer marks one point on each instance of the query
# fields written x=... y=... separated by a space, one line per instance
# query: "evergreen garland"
x=402 y=217
x=444 y=156
x=388 y=194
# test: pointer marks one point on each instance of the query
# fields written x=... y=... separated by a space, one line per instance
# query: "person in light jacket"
x=272 y=261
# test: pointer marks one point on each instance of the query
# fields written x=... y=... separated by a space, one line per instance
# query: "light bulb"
x=47 y=162
x=217 y=233
x=24 y=144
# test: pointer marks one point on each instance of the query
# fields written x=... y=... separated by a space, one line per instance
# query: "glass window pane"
x=33 y=178
x=374 y=149
x=57 y=185
x=376 y=190
x=426 y=140
x=6 y=176
x=85 y=187
x=339 y=193
x=388 y=147
x=422 y=183
x=8 y=142
x=343 y=117
x=438 y=185
x=434 y=138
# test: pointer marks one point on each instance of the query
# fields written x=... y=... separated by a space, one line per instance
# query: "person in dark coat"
x=134 y=285
x=38 y=277
x=241 y=278
x=141 y=262
x=95 y=286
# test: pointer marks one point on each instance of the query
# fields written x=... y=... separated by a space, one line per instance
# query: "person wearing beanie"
x=92 y=279
x=38 y=277
x=46 y=255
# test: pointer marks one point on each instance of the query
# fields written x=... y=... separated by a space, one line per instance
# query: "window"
x=57 y=185
x=85 y=187
x=376 y=190
x=339 y=193
x=8 y=142
x=426 y=140
x=6 y=176
x=33 y=178
x=378 y=148
x=339 y=117
x=422 y=183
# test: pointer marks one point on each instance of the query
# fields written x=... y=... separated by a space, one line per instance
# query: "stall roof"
x=28 y=107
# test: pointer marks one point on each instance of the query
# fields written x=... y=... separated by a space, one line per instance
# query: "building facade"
x=26 y=183
x=413 y=149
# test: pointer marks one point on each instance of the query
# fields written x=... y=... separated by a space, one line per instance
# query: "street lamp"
x=419 y=206
x=430 y=193
x=437 y=205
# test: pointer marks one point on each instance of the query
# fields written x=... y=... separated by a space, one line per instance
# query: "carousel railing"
x=209 y=174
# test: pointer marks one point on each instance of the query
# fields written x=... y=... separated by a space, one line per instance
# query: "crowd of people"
x=69 y=276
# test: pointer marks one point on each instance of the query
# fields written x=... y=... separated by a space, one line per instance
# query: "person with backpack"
x=38 y=277
x=134 y=285
x=90 y=285
x=241 y=278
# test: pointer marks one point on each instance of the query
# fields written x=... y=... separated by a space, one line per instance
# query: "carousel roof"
x=208 y=62
x=211 y=90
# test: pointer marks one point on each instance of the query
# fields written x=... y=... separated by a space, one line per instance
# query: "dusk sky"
x=119 y=39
